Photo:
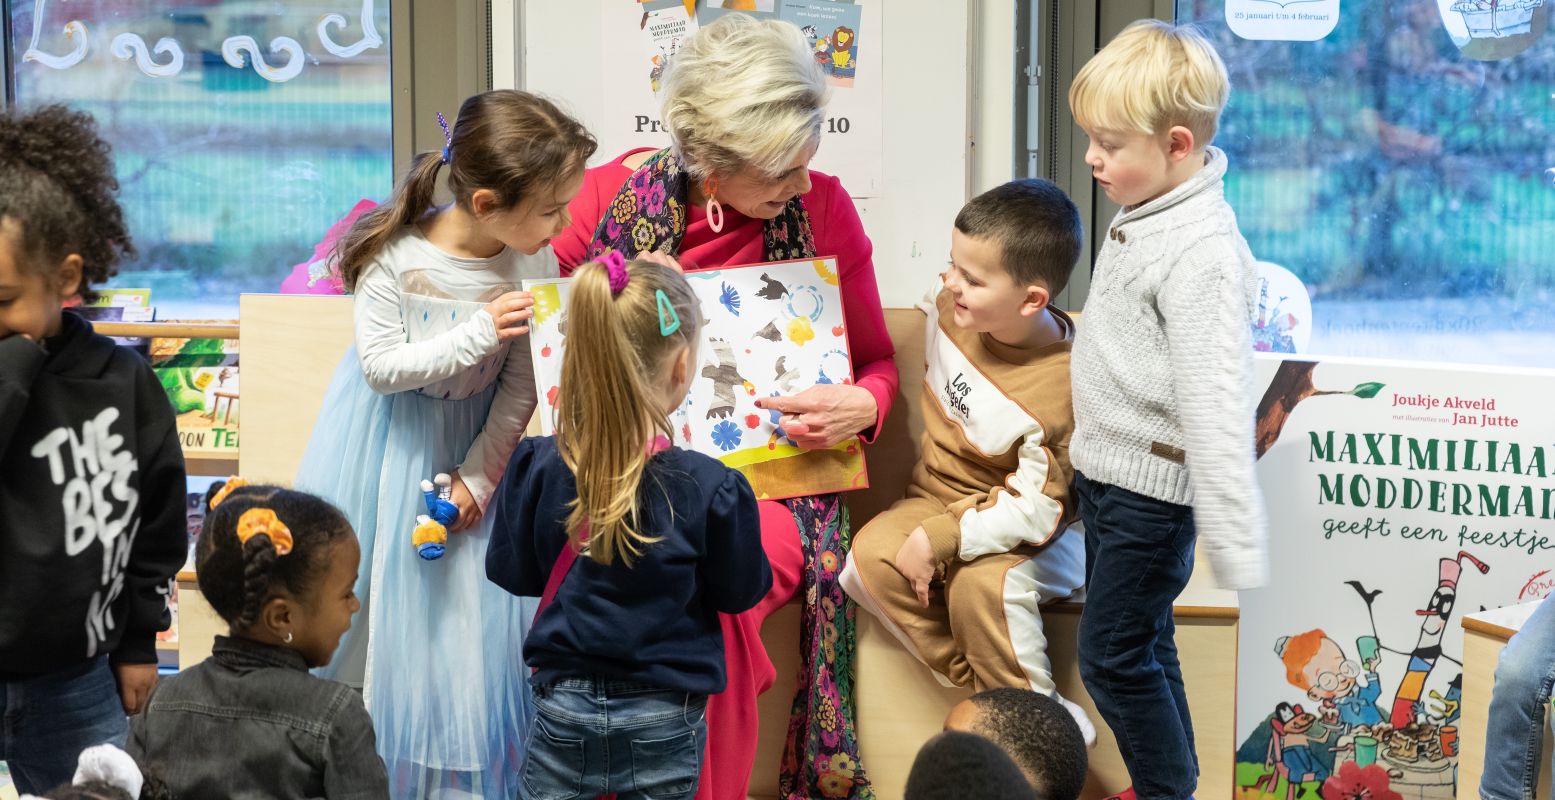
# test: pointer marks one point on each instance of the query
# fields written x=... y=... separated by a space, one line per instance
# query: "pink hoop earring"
x=715 y=209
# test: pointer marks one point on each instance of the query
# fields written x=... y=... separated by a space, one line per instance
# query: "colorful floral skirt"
x=820 y=756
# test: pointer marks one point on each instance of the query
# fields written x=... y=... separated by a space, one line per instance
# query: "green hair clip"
x=669 y=321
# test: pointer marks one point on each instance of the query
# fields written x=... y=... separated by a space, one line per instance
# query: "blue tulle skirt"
x=436 y=648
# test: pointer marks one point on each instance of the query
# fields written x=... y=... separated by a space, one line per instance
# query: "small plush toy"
x=431 y=532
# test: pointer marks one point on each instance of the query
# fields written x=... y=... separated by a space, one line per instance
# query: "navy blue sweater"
x=655 y=622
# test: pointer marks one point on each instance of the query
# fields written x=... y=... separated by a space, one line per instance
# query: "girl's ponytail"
x=373 y=230
x=605 y=417
x=608 y=407
x=259 y=541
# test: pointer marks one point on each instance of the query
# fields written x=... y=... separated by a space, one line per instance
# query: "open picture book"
x=770 y=329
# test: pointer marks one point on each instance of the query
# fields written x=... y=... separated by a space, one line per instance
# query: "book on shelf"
x=200 y=377
x=121 y=305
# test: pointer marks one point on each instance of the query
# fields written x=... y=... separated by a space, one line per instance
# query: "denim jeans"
x=1514 y=733
x=1138 y=556
x=592 y=737
x=45 y=723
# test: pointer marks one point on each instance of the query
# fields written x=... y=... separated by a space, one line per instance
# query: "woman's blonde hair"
x=608 y=407
x=513 y=143
x=743 y=93
x=1152 y=77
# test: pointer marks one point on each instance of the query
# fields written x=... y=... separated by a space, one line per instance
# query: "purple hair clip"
x=615 y=266
x=448 y=136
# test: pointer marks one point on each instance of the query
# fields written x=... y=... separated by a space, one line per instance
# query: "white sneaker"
x=1087 y=730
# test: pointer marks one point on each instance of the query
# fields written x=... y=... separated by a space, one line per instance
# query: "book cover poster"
x=635 y=42
x=709 y=10
x=1401 y=497
x=832 y=29
x=758 y=6
x=666 y=24
x=772 y=329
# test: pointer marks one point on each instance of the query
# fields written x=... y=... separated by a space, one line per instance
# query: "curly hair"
x=1039 y=734
x=956 y=765
x=57 y=194
x=238 y=578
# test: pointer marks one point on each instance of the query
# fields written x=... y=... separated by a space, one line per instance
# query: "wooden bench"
x=1484 y=634
x=901 y=705
x=290 y=346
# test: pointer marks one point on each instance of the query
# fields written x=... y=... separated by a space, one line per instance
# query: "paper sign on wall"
x=832 y=31
x=844 y=37
x=1282 y=20
x=772 y=329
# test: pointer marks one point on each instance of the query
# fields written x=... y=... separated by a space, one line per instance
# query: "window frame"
x=1081 y=28
x=434 y=55
x=7 y=57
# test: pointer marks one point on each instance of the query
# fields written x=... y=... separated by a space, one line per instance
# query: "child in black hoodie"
x=92 y=526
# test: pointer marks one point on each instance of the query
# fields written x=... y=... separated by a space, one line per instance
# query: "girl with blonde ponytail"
x=440 y=381
x=671 y=538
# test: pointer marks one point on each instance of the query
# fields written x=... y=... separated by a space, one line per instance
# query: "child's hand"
x=511 y=313
x=135 y=684
x=916 y=563
x=469 y=510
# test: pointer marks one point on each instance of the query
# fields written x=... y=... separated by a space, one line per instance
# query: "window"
x=1401 y=167
x=241 y=130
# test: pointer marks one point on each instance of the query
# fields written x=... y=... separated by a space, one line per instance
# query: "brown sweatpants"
x=983 y=629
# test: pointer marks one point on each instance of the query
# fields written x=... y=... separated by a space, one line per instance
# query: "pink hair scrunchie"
x=615 y=267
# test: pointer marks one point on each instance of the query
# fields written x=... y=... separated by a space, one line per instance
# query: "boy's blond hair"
x=1152 y=77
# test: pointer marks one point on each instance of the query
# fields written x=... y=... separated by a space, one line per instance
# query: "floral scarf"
x=820 y=756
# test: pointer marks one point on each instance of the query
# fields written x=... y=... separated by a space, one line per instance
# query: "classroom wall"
x=942 y=60
x=949 y=129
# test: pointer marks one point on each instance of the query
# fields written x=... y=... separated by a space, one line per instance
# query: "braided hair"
x=237 y=578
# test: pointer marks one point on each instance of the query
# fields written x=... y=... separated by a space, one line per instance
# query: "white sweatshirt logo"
x=99 y=503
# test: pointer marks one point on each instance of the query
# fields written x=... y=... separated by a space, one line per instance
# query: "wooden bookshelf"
x=168 y=330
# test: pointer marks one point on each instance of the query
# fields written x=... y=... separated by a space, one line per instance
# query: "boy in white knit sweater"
x=1162 y=372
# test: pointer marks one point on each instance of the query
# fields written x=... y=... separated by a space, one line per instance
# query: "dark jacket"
x=655 y=622
x=251 y=722
x=92 y=514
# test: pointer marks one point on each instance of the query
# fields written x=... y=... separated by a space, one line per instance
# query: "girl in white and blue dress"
x=440 y=381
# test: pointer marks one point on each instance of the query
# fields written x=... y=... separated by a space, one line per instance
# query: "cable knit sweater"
x=1162 y=369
